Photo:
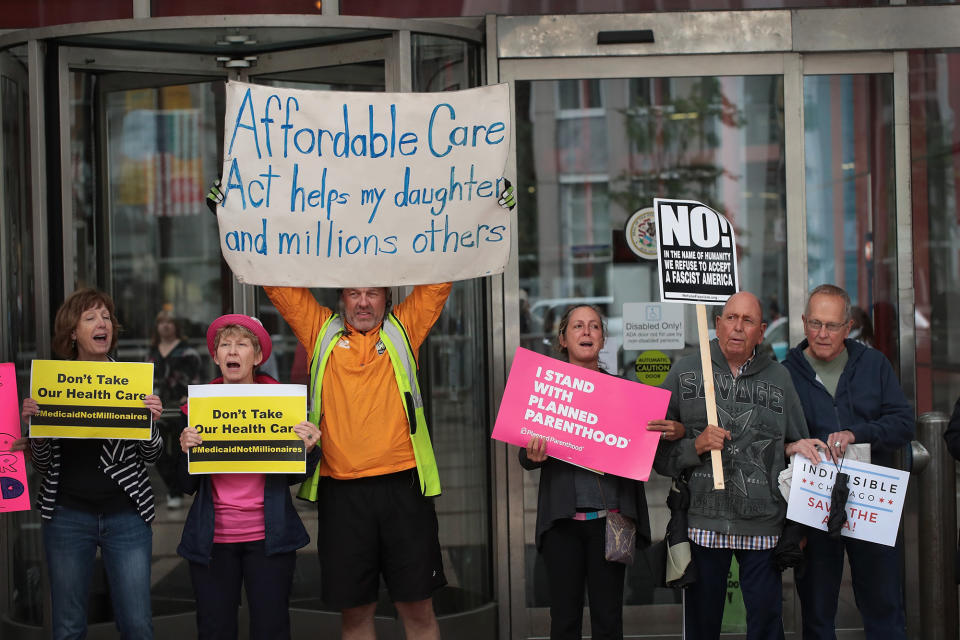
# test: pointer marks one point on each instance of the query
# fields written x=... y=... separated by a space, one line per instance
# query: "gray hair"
x=831 y=290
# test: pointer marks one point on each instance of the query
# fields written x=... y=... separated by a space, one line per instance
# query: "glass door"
x=21 y=593
x=142 y=151
x=597 y=139
x=752 y=136
x=145 y=148
x=616 y=143
x=451 y=376
x=140 y=138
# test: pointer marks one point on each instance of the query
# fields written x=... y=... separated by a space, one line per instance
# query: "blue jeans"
x=760 y=584
x=877 y=589
x=70 y=540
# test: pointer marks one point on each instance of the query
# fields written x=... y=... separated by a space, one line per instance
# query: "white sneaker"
x=174 y=502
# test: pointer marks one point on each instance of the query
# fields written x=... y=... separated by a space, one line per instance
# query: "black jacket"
x=558 y=497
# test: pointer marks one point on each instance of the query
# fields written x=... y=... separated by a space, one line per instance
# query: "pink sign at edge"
x=617 y=408
x=13 y=471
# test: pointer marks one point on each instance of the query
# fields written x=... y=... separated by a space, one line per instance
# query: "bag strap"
x=602 y=497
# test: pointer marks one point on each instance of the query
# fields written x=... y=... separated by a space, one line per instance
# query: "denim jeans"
x=70 y=540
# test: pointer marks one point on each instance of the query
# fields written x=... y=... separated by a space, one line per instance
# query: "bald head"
x=740 y=327
x=747 y=298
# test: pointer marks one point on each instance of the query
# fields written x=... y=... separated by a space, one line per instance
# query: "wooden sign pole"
x=708 y=391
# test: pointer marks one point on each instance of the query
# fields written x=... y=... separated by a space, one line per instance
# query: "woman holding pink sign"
x=242 y=529
x=573 y=507
x=95 y=492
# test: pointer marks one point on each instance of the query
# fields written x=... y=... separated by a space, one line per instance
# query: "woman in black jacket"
x=572 y=507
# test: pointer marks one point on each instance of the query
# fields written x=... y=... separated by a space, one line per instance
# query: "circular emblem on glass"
x=641 y=234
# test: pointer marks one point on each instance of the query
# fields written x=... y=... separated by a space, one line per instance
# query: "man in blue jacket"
x=849 y=394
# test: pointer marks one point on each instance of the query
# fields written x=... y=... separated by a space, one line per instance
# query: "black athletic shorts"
x=373 y=526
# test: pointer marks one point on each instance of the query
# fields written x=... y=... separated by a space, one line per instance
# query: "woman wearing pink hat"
x=242 y=527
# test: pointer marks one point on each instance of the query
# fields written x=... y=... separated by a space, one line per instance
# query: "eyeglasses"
x=831 y=327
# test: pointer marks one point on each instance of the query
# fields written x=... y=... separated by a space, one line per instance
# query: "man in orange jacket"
x=377 y=479
x=374 y=517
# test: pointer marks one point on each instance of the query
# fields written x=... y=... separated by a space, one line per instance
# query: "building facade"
x=827 y=132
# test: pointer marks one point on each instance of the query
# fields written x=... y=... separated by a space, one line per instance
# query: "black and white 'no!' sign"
x=697 y=252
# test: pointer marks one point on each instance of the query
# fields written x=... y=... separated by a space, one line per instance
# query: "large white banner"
x=329 y=188
x=874 y=503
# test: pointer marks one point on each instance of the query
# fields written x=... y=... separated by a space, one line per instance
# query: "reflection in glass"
x=851 y=203
x=161 y=154
x=23 y=550
x=452 y=362
x=590 y=154
x=84 y=197
x=444 y=64
x=935 y=151
x=164 y=245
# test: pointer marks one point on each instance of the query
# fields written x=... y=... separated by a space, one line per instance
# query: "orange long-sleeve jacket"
x=364 y=430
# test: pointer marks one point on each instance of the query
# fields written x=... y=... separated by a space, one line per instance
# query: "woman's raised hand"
x=537 y=449
x=189 y=438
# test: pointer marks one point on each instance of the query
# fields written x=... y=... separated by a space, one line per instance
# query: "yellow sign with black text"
x=91 y=399
x=247 y=428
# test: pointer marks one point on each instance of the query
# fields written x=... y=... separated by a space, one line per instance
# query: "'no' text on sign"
x=698 y=261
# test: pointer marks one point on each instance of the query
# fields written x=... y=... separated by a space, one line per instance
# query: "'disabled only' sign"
x=247 y=428
x=698 y=261
x=78 y=399
x=333 y=189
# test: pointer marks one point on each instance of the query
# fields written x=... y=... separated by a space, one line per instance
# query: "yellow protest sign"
x=91 y=399
x=247 y=428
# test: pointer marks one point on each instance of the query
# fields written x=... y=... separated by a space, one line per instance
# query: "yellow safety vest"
x=404 y=364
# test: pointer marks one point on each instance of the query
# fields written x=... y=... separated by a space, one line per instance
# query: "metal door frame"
x=178 y=68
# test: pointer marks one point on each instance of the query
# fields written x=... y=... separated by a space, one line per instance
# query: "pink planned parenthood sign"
x=588 y=418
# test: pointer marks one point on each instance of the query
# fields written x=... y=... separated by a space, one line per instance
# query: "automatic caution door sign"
x=697 y=252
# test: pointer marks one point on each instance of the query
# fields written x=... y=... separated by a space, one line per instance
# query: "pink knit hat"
x=247 y=322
